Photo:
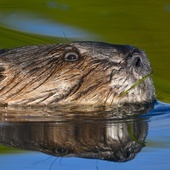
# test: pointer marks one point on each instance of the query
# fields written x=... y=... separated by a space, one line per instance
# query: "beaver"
x=76 y=73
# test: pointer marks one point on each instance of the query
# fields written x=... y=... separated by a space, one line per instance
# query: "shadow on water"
x=90 y=135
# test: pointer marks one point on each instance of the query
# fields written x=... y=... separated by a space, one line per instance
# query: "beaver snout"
x=137 y=62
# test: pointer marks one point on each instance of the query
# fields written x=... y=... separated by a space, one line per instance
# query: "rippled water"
x=142 y=142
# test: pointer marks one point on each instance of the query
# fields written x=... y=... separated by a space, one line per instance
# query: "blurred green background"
x=145 y=24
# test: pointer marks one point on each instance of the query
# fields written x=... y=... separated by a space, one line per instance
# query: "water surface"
x=102 y=143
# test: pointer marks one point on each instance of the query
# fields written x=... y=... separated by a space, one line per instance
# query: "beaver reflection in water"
x=78 y=73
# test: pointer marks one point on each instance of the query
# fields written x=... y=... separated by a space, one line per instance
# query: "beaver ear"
x=3 y=51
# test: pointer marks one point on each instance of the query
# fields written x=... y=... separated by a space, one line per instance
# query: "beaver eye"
x=61 y=151
x=71 y=57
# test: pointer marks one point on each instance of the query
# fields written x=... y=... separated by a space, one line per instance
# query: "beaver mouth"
x=137 y=83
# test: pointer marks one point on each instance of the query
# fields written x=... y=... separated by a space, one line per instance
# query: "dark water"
x=143 y=142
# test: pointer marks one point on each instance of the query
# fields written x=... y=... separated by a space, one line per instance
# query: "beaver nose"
x=136 y=60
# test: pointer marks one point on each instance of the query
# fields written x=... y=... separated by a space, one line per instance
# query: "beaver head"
x=78 y=73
